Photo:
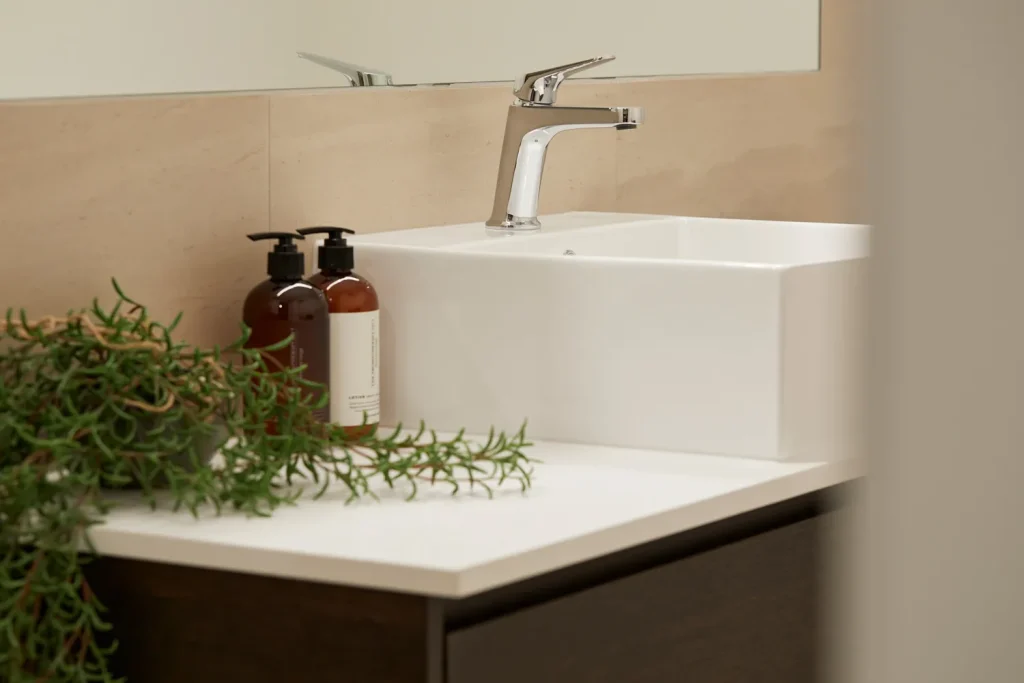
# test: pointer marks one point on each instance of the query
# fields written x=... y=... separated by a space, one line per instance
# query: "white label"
x=355 y=368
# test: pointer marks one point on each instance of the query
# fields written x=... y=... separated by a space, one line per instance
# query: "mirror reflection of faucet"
x=355 y=74
x=533 y=120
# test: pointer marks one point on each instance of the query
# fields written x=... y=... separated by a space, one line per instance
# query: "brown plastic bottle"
x=288 y=305
x=355 y=334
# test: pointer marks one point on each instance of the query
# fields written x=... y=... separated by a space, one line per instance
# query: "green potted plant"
x=100 y=399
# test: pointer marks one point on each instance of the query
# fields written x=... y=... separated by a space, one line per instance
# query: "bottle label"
x=355 y=368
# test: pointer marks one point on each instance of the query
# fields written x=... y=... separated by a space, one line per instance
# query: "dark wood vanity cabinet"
x=737 y=601
x=741 y=612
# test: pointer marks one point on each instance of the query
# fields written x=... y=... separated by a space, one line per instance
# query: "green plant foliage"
x=105 y=399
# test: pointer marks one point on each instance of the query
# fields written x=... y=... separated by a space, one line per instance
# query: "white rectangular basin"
x=690 y=334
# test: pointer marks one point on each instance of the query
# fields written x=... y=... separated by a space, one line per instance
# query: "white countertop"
x=587 y=501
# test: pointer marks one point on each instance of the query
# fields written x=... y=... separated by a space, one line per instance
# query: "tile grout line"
x=269 y=172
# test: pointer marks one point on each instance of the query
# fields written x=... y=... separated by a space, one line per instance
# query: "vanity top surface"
x=587 y=501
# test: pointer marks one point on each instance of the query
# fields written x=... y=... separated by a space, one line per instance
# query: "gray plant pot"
x=206 y=449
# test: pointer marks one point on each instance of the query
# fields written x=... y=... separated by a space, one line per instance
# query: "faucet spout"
x=528 y=130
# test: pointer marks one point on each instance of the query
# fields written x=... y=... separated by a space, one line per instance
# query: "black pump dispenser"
x=285 y=262
x=288 y=321
x=335 y=254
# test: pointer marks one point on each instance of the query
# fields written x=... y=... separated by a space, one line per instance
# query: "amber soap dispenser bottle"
x=287 y=305
x=355 y=334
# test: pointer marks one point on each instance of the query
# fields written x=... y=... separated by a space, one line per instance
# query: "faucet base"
x=513 y=225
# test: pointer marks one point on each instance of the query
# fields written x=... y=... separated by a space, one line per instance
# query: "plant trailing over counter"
x=103 y=399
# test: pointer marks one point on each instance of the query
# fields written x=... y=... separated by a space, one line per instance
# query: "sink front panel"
x=661 y=357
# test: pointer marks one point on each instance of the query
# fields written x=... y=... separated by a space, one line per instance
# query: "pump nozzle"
x=333 y=234
x=335 y=253
x=285 y=239
x=285 y=262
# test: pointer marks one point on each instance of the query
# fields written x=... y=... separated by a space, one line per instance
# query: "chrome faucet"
x=356 y=75
x=532 y=121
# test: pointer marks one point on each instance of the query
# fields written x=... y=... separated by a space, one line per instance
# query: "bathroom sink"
x=688 y=334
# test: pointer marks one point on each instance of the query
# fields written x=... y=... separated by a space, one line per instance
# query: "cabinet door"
x=746 y=612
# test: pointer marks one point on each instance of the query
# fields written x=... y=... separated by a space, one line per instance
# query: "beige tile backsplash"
x=160 y=191
x=156 y=192
x=745 y=147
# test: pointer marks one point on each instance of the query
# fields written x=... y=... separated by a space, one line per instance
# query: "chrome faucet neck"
x=533 y=120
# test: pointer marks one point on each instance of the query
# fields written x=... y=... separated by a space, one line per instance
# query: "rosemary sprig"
x=101 y=399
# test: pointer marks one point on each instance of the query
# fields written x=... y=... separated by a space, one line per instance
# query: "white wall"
x=943 y=589
x=52 y=48
x=487 y=40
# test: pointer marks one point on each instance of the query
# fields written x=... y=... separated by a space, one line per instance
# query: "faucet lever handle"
x=541 y=87
x=356 y=75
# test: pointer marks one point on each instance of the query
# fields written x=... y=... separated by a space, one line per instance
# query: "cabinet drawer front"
x=746 y=612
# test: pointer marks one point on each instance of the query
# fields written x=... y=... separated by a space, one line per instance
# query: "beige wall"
x=160 y=191
x=943 y=600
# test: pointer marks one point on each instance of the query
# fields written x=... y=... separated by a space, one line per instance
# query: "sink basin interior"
x=691 y=239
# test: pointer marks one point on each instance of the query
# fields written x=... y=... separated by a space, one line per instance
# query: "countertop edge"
x=508 y=570
x=468 y=581
x=280 y=564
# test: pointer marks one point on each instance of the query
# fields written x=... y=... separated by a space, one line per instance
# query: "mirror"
x=59 y=48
